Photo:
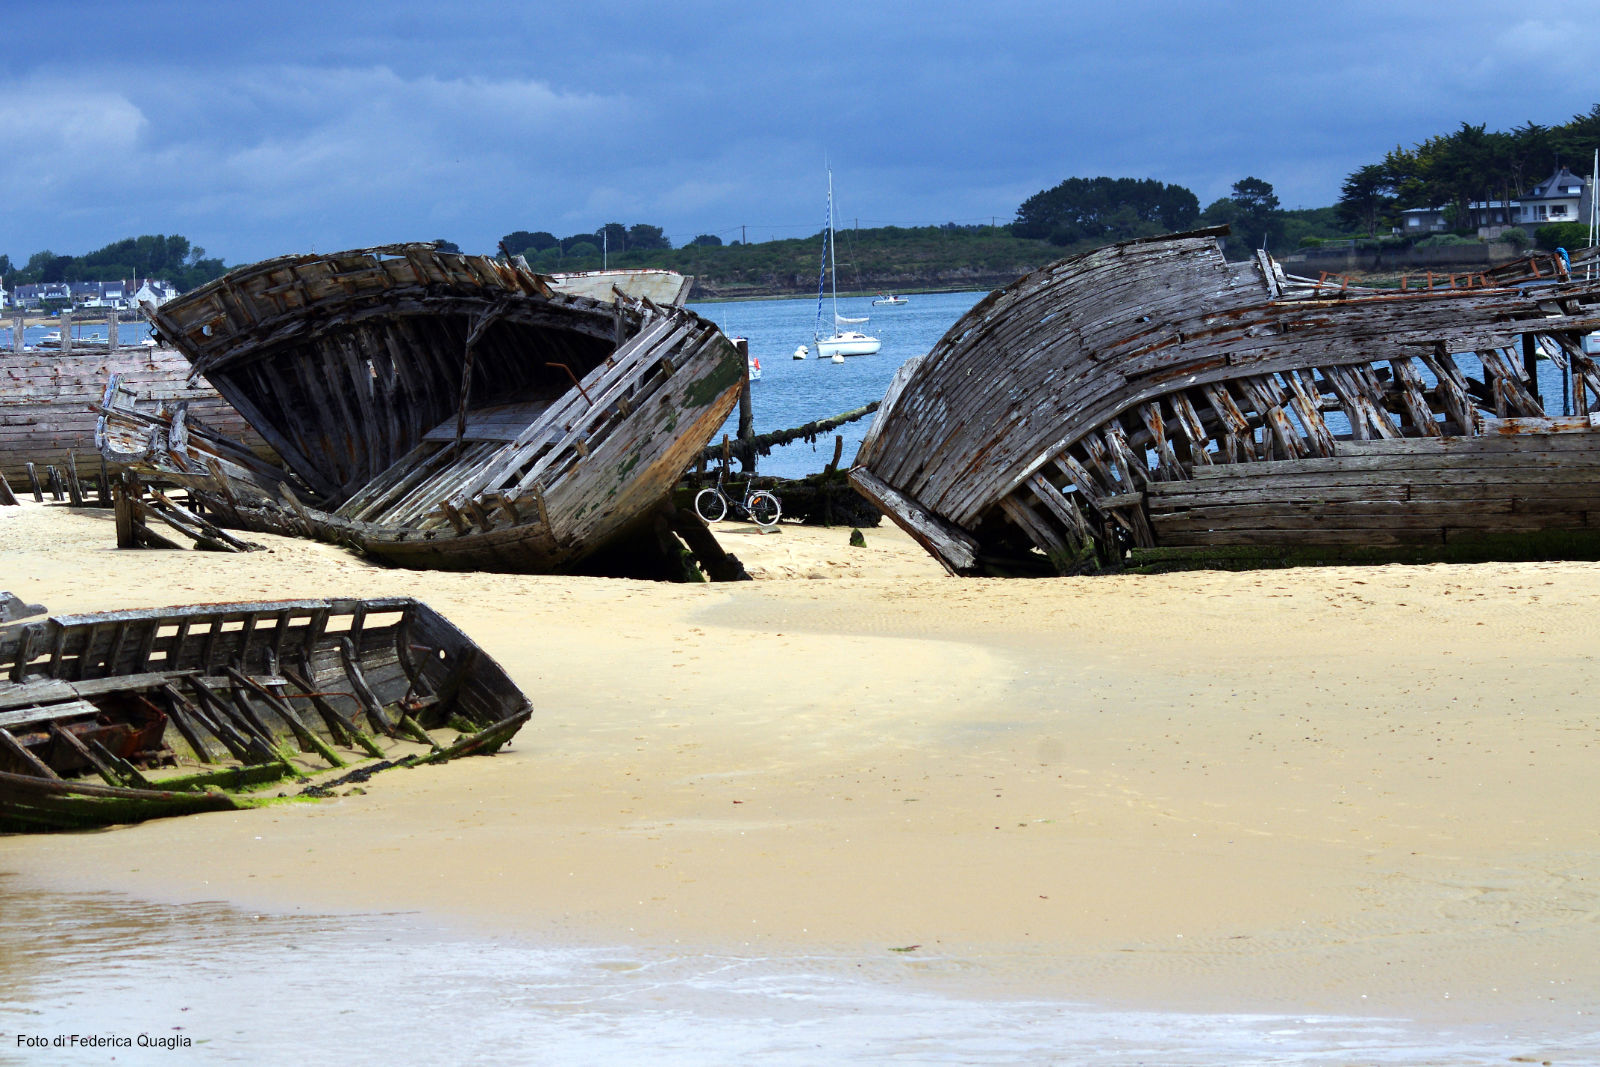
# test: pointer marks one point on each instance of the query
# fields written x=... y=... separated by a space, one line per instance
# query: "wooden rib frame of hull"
x=194 y=708
x=1151 y=397
x=443 y=411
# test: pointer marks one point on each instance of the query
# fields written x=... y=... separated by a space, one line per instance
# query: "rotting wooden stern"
x=1151 y=402
x=444 y=411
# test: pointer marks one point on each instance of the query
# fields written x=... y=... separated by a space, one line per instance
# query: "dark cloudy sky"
x=283 y=126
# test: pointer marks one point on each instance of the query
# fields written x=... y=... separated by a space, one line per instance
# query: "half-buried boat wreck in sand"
x=437 y=410
x=131 y=715
x=1150 y=402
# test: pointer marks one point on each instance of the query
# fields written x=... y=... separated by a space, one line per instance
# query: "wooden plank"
x=953 y=547
x=25 y=759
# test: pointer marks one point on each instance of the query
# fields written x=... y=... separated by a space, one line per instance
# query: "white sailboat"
x=841 y=342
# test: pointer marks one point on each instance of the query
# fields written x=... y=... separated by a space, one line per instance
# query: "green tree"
x=1366 y=198
x=547 y=261
x=707 y=240
x=611 y=238
x=1102 y=210
x=1576 y=141
x=646 y=238
x=46 y=266
x=439 y=243
x=1256 y=220
x=1568 y=235
x=524 y=243
x=1532 y=156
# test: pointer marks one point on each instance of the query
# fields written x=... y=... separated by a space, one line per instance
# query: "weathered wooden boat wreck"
x=48 y=403
x=189 y=709
x=1150 y=402
x=438 y=410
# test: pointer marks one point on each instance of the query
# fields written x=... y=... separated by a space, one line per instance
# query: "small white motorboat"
x=887 y=300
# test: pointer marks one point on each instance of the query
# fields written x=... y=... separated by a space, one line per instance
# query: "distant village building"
x=121 y=296
x=41 y=294
x=153 y=291
x=1562 y=197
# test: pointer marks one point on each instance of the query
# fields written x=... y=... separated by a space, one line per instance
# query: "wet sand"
x=1361 y=791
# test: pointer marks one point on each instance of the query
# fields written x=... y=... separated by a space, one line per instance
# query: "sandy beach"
x=1357 y=791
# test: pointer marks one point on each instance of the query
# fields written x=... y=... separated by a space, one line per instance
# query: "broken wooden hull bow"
x=443 y=411
x=1150 y=401
x=186 y=709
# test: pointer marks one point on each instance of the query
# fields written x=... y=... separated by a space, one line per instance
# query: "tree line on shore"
x=170 y=258
x=1469 y=165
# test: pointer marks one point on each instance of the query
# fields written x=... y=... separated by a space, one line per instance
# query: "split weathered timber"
x=135 y=510
x=437 y=410
x=102 y=696
x=48 y=400
x=1150 y=396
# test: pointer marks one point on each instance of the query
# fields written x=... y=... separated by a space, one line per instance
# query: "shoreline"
x=1358 y=790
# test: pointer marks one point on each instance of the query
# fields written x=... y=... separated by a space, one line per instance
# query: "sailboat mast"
x=822 y=267
x=833 y=267
x=1594 y=209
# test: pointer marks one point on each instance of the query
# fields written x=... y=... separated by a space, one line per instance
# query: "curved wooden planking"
x=442 y=410
x=1030 y=434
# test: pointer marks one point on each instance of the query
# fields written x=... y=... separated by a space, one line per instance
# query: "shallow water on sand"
x=246 y=987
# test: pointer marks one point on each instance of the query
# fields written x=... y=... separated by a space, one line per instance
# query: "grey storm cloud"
x=328 y=125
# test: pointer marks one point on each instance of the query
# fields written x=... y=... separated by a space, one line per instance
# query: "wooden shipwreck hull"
x=1152 y=401
x=48 y=402
x=130 y=715
x=439 y=410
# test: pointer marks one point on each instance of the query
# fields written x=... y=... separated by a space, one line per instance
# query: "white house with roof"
x=34 y=296
x=1562 y=197
x=102 y=294
x=154 y=291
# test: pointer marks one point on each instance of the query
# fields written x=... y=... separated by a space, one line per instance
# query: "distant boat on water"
x=663 y=287
x=887 y=300
x=841 y=342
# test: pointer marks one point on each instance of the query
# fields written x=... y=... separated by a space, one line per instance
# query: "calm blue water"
x=792 y=392
x=128 y=333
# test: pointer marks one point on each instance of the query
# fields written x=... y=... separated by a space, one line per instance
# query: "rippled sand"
x=1364 y=792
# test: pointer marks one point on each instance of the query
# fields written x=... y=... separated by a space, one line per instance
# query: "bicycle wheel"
x=764 y=508
x=710 y=505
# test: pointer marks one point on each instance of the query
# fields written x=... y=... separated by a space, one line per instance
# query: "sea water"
x=128 y=333
x=792 y=392
x=208 y=982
